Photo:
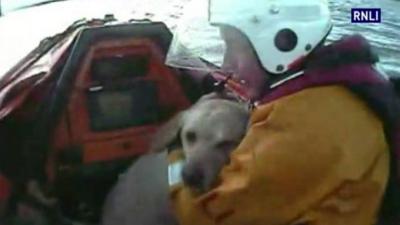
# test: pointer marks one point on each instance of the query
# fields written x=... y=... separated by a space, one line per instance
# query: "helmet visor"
x=196 y=45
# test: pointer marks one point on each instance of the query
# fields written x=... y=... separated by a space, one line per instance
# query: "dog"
x=208 y=132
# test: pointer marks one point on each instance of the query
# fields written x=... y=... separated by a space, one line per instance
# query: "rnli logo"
x=365 y=15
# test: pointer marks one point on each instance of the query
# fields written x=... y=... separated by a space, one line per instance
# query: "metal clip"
x=220 y=85
x=251 y=105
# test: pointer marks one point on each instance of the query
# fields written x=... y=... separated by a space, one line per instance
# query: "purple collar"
x=344 y=75
x=347 y=61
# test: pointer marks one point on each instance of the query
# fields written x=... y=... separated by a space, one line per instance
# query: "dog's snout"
x=193 y=177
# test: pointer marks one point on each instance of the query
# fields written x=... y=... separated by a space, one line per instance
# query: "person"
x=321 y=144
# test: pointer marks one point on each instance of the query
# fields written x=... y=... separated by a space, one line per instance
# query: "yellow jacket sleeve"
x=318 y=156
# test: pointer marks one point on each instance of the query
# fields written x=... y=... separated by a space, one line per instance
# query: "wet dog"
x=207 y=132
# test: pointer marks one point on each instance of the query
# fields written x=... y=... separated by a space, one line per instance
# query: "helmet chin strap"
x=285 y=78
x=225 y=81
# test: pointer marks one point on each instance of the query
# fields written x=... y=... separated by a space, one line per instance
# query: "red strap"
x=5 y=188
x=232 y=85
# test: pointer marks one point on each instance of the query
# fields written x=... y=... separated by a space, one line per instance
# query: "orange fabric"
x=318 y=156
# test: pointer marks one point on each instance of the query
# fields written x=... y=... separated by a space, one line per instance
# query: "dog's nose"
x=193 y=177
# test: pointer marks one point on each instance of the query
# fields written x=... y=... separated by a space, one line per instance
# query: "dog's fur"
x=208 y=132
x=141 y=196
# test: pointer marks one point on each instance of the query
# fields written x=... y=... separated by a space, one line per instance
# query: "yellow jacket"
x=316 y=157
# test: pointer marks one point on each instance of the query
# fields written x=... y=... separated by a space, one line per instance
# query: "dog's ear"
x=167 y=134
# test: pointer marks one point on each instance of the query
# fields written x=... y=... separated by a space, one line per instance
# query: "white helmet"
x=280 y=31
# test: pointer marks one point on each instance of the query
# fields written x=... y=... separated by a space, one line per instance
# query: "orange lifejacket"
x=318 y=156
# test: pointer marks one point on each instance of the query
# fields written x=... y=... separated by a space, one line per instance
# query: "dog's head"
x=208 y=132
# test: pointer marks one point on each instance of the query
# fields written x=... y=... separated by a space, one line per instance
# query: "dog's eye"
x=191 y=137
